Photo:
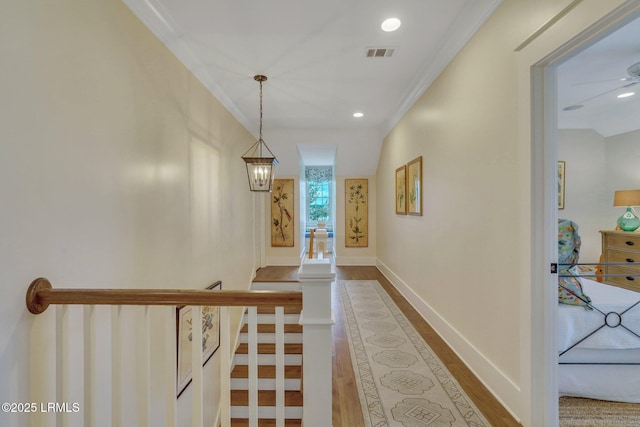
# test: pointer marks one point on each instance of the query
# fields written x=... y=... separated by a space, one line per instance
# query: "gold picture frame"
x=561 y=175
x=356 y=193
x=401 y=190
x=414 y=186
x=282 y=213
x=210 y=338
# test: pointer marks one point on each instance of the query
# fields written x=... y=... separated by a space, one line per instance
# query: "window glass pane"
x=318 y=195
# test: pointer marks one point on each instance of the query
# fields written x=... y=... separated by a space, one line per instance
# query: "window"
x=319 y=183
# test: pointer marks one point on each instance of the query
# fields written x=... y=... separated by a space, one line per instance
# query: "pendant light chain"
x=260 y=109
x=260 y=115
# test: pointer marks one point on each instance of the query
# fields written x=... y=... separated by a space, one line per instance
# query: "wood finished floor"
x=346 y=402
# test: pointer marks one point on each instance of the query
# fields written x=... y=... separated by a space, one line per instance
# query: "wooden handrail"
x=41 y=294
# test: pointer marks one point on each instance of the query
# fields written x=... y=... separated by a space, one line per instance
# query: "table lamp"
x=627 y=198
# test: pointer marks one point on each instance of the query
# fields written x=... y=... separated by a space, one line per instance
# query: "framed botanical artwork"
x=282 y=211
x=356 y=213
x=401 y=190
x=210 y=338
x=414 y=186
x=561 y=173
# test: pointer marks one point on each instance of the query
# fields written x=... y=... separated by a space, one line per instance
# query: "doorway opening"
x=562 y=133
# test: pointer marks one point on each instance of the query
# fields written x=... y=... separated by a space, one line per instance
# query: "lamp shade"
x=626 y=198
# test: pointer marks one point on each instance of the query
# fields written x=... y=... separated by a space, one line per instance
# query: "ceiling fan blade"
x=591 y=98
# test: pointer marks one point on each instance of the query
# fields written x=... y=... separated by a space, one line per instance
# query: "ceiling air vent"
x=379 y=52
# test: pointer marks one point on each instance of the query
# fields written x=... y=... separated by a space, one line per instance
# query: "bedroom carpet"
x=578 y=412
x=400 y=381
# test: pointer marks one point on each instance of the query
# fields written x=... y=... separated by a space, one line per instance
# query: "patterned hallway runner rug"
x=400 y=380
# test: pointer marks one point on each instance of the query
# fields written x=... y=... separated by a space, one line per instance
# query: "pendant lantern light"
x=260 y=161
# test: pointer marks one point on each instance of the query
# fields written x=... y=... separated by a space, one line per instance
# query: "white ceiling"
x=313 y=53
x=592 y=78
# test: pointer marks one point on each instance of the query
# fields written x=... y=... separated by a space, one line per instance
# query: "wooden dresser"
x=621 y=247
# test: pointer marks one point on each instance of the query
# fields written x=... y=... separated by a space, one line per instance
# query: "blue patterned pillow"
x=569 y=288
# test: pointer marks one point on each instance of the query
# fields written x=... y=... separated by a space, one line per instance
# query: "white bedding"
x=617 y=382
x=574 y=323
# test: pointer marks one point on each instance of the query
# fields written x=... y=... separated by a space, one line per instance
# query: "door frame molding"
x=543 y=348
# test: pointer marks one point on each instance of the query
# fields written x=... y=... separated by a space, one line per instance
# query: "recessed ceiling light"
x=626 y=94
x=358 y=114
x=390 y=24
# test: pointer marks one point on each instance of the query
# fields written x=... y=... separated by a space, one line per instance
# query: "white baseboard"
x=346 y=260
x=506 y=391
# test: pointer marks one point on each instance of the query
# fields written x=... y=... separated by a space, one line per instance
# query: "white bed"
x=606 y=365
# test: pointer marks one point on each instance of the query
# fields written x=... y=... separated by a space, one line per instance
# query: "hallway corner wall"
x=118 y=169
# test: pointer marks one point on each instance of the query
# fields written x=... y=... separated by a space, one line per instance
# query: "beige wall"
x=456 y=257
x=587 y=200
x=117 y=169
x=466 y=263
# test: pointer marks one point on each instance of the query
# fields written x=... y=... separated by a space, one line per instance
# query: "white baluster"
x=253 y=366
x=225 y=368
x=280 y=380
x=62 y=362
x=143 y=362
x=116 y=366
x=170 y=367
x=197 y=390
x=90 y=389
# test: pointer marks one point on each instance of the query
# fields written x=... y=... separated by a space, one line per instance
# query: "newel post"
x=316 y=276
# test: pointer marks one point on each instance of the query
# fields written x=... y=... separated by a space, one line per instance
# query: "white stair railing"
x=106 y=404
